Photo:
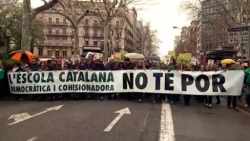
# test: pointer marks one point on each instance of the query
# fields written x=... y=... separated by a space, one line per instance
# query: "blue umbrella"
x=152 y=58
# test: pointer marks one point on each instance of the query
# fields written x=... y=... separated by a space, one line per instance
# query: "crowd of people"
x=91 y=64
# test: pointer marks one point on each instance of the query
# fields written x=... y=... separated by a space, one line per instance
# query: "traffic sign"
x=238 y=35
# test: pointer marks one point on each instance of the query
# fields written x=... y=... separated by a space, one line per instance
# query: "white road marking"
x=121 y=113
x=167 y=127
x=32 y=139
x=24 y=116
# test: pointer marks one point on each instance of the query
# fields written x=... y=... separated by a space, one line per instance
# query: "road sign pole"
x=242 y=55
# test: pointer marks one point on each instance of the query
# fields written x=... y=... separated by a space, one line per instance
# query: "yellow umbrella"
x=228 y=61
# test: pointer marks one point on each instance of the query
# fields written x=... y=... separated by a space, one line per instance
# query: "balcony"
x=58 y=23
x=97 y=36
x=50 y=44
x=96 y=25
x=63 y=34
x=86 y=25
x=86 y=35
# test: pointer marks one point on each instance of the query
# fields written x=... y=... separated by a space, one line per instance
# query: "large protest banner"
x=152 y=81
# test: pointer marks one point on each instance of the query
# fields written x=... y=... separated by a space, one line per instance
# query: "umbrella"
x=153 y=58
x=134 y=55
x=19 y=55
x=228 y=61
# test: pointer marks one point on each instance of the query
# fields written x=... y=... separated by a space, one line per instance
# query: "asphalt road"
x=87 y=120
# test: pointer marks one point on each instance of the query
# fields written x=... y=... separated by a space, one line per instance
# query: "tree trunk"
x=105 y=50
x=76 y=42
x=26 y=26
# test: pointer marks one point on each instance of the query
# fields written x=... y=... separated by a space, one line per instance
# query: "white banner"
x=155 y=81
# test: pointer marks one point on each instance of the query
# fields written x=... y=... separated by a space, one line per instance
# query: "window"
x=57 y=31
x=49 y=52
x=86 y=42
x=50 y=20
x=95 y=32
x=57 y=38
x=50 y=38
x=40 y=51
x=50 y=30
x=64 y=31
x=117 y=23
x=95 y=43
x=95 y=22
x=64 y=21
x=64 y=38
x=57 y=52
x=102 y=33
x=86 y=32
x=72 y=52
x=57 y=20
x=64 y=52
x=86 y=22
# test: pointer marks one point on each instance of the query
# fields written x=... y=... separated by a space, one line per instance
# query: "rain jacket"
x=247 y=72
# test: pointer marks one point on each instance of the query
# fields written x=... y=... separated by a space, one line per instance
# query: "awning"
x=222 y=52
x=49 y=49
x=57 y=49
x=64 y=49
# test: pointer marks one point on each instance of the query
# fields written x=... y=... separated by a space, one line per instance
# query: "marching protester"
x=90 y=65
x=112 y=66
x=140 y=66
x=187 y=97
x=121 y=66
x=128 y=64
x=155 y=67
x=247 y=82
x=229 y=98
x=2 y=73
x=100 y=67
x=65 y=96
x=42 y=67
x=170 y=97
x=208 y=99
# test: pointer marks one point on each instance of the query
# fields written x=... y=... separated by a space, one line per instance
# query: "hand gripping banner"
x=128 y=81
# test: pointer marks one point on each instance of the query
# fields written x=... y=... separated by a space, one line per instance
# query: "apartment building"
x=213 y=27
x=59 y=34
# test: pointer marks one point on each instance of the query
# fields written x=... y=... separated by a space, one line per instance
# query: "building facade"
x=59 y=39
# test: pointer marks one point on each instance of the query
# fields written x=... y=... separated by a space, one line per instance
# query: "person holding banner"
x=100 y=67
x=155 y=67
x=229 y=98
x=140 y=66
x=172 y=66
x=214 y=67
x=187 y=97
x=208 y=99
x=42 y=67
x=65 y=96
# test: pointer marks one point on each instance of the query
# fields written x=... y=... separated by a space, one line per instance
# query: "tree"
x=11 y=20
x=107 y=10
x=28 y=16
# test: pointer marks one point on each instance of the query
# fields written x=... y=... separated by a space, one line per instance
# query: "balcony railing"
x=59 y=33
x=86 y=35
x=96 y=25
x=97 y=35
x=59 y=23
x=54 y=44
x=86 y=25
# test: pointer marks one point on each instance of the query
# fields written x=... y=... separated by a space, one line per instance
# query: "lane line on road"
x=24 y=116
x=32 y=139
x=167 y=127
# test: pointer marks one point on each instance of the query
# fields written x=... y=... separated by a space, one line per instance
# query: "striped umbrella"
x=20 y=55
